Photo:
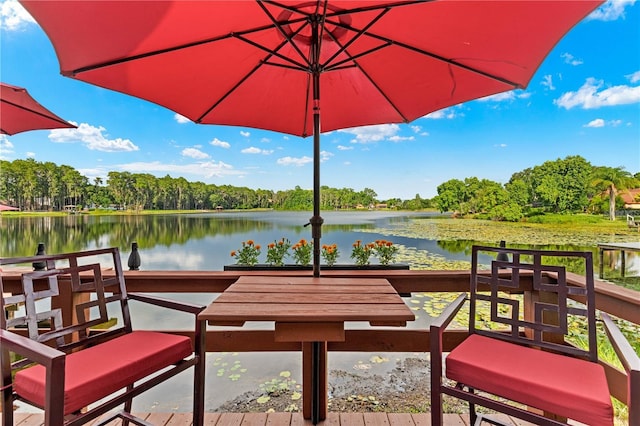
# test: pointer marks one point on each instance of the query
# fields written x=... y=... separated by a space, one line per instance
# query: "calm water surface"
x=199 y=241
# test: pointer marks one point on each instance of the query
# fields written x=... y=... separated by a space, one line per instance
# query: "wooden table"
x=312 y=311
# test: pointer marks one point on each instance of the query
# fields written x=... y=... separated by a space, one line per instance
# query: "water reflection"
x=188 y=241
x=203 y=241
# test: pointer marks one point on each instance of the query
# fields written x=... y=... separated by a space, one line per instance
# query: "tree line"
x=44 y=186
x=571 y=184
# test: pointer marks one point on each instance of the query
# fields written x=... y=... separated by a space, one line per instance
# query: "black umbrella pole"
x=316 y=221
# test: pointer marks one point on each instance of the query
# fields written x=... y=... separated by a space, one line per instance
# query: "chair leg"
x=473 y=416
x=127 y=407
x=199 y=374
x=7 y=411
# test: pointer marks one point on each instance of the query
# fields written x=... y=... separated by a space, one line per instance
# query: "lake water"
x=203 y=241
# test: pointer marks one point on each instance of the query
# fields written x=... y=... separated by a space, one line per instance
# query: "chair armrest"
x=449 y=313
x=631 y=363
x=35 y=351
x=167 y=303
x=628 y=357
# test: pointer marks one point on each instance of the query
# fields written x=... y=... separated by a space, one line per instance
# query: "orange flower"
x=250 y=242
x=330 y=253
x=233 y=253
x=258 y=247
x=271 y=245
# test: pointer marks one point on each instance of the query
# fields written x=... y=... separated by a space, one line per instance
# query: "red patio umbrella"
x=19 y=112
x=281 y=65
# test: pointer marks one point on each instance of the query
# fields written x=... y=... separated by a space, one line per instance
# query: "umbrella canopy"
x=19 y=112
x=301 y=67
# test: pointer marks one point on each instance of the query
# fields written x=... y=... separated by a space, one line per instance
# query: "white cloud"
x=205 y=169
x=245 y=134
x=344 y=148
x=397 y=138
x=293 y=161
x=13 y=16
x=598 y=122
x=325 y=156
x=511 y=95
x=31 y=154
x=194 y=153
x=254 y=150
x=571 y=60
x=634 y=78
x=448 y=113
x=181 y=119
x=611 y=10
x=369 y=134
x=547 y=81
x=93 y=138
x=6 y=147
x=222 y=144
x=588 y=96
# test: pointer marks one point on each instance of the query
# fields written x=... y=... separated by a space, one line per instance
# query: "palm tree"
x=612 y=180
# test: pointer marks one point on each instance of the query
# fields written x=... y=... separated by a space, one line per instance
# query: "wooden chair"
x=516 y=359
x=81 y=360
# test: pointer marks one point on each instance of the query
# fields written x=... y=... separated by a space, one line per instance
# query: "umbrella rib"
x=298 y=67
x=288 y=37
x=223 y=97
x=356 y=37
x=274 y=52
x=47 y=116
x=447 y=60
x=109 y=63
x=389 y=42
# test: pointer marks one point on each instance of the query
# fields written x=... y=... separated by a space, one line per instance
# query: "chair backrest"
x=90 y=284
x=553 y=305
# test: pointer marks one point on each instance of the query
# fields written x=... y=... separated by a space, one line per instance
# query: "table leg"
x=314 y=381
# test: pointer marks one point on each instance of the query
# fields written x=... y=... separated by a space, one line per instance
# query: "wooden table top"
x=308 y=300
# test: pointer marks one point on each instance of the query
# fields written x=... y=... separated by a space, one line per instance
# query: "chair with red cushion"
x=68 y=345
x=518 y=359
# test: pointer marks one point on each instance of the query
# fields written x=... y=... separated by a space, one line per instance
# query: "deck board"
x=283 y=419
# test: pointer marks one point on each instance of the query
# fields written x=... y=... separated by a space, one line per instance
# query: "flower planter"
x=337 y=267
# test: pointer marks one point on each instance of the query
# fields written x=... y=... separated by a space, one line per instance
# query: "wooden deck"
x=289 y=419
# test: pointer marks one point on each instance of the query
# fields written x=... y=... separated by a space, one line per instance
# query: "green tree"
x=562 y=185
x=518 y=192
x=612 y=180
x=450 y=195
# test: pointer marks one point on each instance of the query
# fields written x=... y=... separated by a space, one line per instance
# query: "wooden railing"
x=619 y=302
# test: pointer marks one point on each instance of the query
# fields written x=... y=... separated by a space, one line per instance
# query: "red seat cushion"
x=98 y=371
x=566 y=386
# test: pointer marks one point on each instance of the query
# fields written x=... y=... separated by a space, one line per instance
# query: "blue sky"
x=584 y=100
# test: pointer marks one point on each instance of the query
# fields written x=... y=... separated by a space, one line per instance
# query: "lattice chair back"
x=550 y=311
x=80 y=274
x=68 y=346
